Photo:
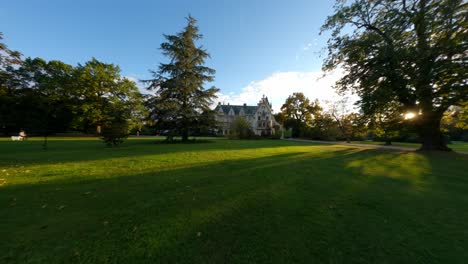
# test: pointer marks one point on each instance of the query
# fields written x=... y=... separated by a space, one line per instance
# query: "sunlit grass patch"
x=229 y=202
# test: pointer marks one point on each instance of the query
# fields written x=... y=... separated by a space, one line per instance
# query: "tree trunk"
x=430 y=134
x=184 y=134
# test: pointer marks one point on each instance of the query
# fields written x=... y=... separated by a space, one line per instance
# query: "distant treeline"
x=46 y=97
x=338 y=121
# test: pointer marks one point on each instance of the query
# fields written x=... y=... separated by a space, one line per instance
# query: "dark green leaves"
x=182 y=104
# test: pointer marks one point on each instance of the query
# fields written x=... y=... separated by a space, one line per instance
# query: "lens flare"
x=410 y=115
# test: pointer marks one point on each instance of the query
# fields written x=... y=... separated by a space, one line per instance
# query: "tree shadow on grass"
x=43 y=219
x=31 y=152
x=407 y=202
x=292 y=207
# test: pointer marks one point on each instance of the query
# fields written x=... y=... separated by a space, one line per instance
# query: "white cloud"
x=278 y=86
x=140 y=85
x=132 y=78
x=307 y=47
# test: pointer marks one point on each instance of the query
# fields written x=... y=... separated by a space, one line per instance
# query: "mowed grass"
x=455 y=145
x=229 y=202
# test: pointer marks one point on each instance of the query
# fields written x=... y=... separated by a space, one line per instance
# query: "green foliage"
x=46 y=97
x=8 y=58
x=298 y=113
x=241 y=129
x=181 y=103
x=387 y=125
x=101 y=91
x=349 y=123
x=298 y=107
x=325 y=128
x=115 y=130
x=51 y=84
x=407 y=53
x=287 y=133
x=455 y=122
x=114 y=133
x=306 y=119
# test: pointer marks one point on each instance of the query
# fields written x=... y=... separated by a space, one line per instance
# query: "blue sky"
x=256 y=46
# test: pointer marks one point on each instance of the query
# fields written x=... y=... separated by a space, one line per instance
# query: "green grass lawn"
x=455 y=145
x=227 y=201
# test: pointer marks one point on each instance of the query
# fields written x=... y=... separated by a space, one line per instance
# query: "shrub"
x=115 y=132
x=241 y=129
x=277 y=134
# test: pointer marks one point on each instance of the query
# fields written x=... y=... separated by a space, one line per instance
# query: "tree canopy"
x=51 y=96
x=297 y=106
x=101 y=91
x=412 y=53
x=298 y=112
x=182 y=104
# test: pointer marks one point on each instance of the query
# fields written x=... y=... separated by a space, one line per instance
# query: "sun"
x=410 y=115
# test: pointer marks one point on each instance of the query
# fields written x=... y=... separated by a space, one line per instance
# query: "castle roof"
x=248 y=110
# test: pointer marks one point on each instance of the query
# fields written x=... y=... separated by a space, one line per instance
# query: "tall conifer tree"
x=181 y=102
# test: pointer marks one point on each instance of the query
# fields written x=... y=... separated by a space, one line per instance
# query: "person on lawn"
x=22 y=135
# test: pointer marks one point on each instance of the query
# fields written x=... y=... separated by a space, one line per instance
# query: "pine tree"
x=181 y=102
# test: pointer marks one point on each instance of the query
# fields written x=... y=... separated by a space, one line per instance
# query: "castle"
x=260 y=117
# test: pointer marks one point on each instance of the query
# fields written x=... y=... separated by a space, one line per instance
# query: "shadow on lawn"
x=299 y=206
x=30 y=152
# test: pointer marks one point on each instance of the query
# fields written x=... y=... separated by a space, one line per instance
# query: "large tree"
x=101 y=92
x=182 y=104
x=348 y=121
x=455 y=122
x=298 y=107
x=9 y=59
x=298 y=113
x=44 y=102
x=412 y=53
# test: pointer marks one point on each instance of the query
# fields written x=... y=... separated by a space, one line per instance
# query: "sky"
x=257 y=47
